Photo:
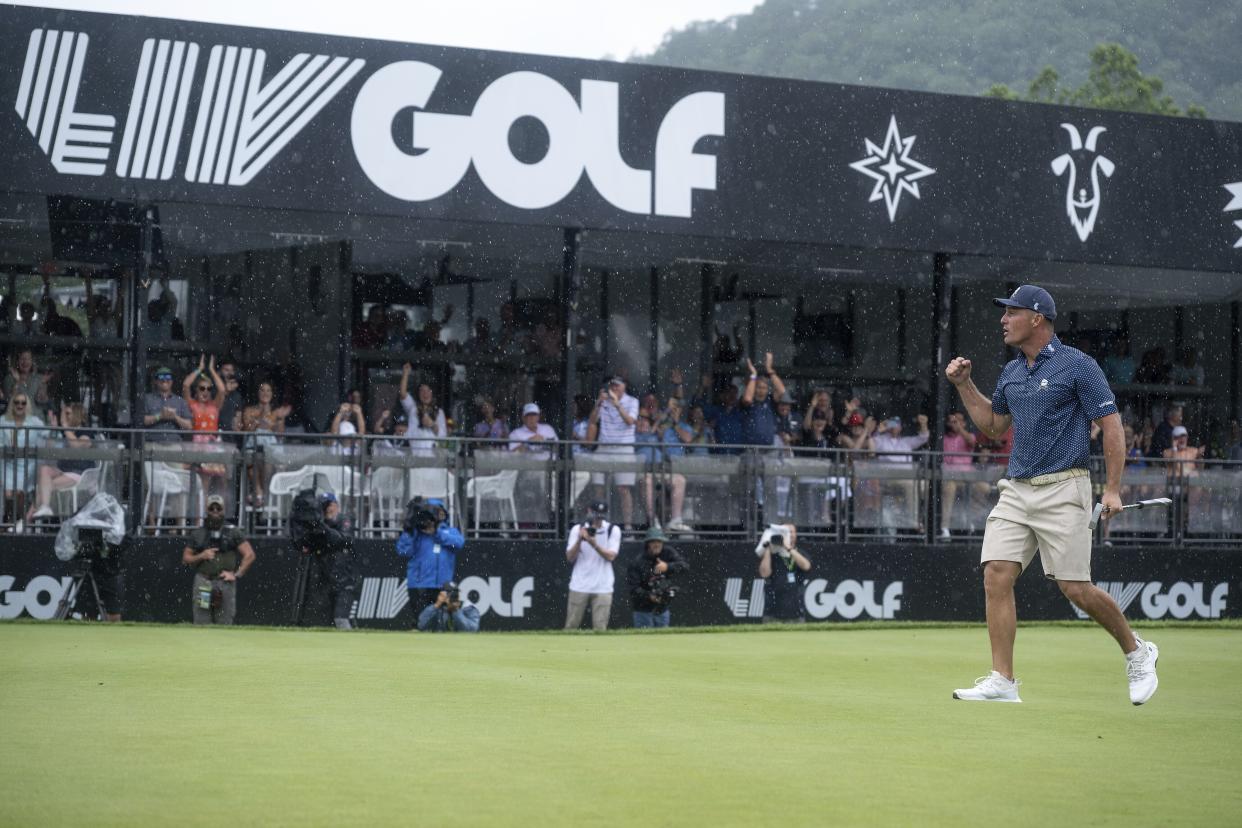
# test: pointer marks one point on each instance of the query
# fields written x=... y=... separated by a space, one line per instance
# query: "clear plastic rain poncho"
x=100 y=512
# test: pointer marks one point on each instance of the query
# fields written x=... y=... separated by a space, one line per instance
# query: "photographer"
x=649 y=578
x=214 y=551
x=326 y=582
x=449 y=613
x=592 y=547
x=784 y=568
x=431 y=545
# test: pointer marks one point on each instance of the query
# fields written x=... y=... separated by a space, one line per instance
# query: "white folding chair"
x=436 y=483
x=164 y=481
x=79 y=492
x=498 y=487
x=281 y=489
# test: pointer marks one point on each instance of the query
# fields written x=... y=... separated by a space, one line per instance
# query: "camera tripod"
x=84 y=573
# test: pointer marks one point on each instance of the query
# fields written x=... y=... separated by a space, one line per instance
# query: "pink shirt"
x=953 y=444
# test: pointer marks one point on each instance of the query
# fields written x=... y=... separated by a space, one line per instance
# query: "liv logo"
x=1082 y=198
x=242 y=122
x=1235 y=190
x=751 y=607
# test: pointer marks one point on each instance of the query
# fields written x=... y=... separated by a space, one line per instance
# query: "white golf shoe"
x=993 y=687
x=1141 y=672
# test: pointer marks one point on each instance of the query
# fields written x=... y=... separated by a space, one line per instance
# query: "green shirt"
x=227 y=555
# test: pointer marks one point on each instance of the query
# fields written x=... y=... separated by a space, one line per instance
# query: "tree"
x=1115 y=82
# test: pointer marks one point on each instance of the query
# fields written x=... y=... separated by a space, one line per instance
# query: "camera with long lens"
x=660 y=589
x=95 y=532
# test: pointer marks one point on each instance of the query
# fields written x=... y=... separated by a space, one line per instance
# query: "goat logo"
x=1236 y=204
x=1082 y=203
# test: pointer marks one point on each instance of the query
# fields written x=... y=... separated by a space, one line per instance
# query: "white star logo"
x=892 y=168
x=1236 y=191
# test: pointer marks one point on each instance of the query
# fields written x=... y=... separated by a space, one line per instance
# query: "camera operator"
x=649 y=578
x=326 y=582
x=784 y=568
x=95 y=537
x=593 y=546
x=220 y=555
x=431 y=544
x=449 y=613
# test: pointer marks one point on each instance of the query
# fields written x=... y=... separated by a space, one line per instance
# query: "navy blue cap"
x=1030 y=297
x=326 y=497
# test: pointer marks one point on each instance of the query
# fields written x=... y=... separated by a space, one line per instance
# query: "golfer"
x=1050 y=395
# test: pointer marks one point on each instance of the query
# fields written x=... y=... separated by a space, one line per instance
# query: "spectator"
x=392 y=427
x=449 y=613
x=592 y=547
x=1188 y=371
x=788 y=424
x=584 y=433
x=164 y=413
x=958 y=446
x=1153 y=368
x=616 y=414
x=431 y=545
x=783 y=569
x=858 y=434
x=22 y=433
x=220 y=556
x=996 y=451
x=702 y=435
x=649 y=578
x=371 y=333
x=824 y=439
x=24 y=378
x=728 y=421
x=426 y=419
x=161 y=314
x=397 y=336
x=481 y=343
x=1134 y=449
x=63 y=474
x=204 y=396
x=821 y=407
x=265 y=423
x=234 y=402
x=1162 y=438
x=888 y=440
x=1119 y=365
x=1185 y=457
x=533 y=437
x=675 y=437
x=346 y=423
x=490 y=426
x=759 y=415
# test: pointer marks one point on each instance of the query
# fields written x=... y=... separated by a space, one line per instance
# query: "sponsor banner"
x=522 y=585
x=150 y=110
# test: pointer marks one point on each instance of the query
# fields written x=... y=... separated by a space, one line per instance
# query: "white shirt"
x=885 y=442
x=522 y=434
x=422 y=440
x=592 y=571
x=613 y=429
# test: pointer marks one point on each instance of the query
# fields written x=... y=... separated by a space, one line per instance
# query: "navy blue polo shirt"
x=1052 y=404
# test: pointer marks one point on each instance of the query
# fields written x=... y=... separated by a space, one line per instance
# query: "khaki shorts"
x=1051 y=519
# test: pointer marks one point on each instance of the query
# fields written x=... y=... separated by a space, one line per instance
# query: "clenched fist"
x=958 y=370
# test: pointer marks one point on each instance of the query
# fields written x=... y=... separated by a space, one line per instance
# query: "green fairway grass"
x=151 y=725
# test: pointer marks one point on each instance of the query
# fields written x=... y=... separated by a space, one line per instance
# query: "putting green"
x=153 y=725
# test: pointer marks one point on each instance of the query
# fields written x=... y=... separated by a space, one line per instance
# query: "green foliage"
x=1115 y=82
x=963 y=46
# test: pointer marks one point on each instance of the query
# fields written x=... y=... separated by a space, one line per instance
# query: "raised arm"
x=748 y=396
x=977 y=406
x=778 y=386
x=218 y=381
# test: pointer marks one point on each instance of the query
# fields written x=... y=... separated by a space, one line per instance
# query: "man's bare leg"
x=1098 y=604
x=999 y=578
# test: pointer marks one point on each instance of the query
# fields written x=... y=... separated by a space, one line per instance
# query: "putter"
x=1142 y=504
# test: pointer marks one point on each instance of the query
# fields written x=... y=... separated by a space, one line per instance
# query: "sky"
x=589 y=29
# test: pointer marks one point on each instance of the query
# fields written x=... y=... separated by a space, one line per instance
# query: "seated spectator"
x=490 y=426
x=24 y=378
x=63 y=474
x=22 y=433
x=1119 y=365
x=1185 y=457
x=1188 y=371
x=532 y=437
x=703 y=436
x=426 y=419
x=1153 y=368
x=265 y=422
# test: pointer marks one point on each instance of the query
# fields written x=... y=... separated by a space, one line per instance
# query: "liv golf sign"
x=244 y=113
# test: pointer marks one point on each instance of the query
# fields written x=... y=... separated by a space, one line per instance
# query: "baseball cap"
x=530 y=408
x=855 y=419
x=1180 y=431
x=346 y=427
x=598 y=507
x=786 y=398
x=1030 y=297
x=617 y=381
x=163 y=372
x=326 y=497
x=892 y=422
x=215 y=500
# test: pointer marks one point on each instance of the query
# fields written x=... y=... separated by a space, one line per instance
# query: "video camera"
x=419 y=516
x=660 y=589
x=95 y=532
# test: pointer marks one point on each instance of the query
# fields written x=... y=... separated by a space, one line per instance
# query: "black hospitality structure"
x=281 y=187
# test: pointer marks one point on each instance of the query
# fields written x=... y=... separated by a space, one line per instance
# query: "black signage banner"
x=523 y=585
x=149 y=110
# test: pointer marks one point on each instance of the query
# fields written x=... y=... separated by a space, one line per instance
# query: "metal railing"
x=491 y=490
